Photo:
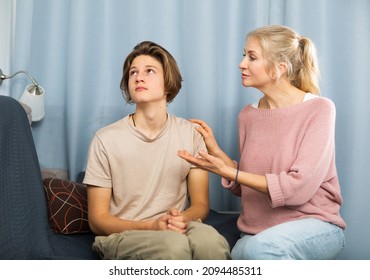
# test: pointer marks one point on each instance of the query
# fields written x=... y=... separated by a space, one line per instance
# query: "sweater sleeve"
x=313 y=165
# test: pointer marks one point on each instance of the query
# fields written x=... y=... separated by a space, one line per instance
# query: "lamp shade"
x=33 y=96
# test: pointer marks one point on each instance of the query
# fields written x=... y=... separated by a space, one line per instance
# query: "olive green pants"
x=200 y=242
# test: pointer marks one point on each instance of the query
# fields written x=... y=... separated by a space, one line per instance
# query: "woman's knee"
x=292 y=240
x=257 y=248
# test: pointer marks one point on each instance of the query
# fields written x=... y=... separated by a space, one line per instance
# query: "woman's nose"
x=243 y=64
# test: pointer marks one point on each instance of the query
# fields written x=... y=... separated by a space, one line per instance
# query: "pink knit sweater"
x=294 y=148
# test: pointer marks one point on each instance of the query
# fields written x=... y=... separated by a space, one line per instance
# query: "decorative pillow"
x=67 y=206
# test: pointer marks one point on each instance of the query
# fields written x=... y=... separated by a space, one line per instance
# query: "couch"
x=46 y=218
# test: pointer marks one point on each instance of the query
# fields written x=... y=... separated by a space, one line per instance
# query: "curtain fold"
x=75 y=50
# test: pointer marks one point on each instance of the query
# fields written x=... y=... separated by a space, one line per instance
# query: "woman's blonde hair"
x=171 y=72
x=283 y=44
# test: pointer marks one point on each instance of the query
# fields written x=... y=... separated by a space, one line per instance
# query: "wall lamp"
x=33 y=96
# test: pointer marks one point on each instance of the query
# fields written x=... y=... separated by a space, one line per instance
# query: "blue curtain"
x=75 y=50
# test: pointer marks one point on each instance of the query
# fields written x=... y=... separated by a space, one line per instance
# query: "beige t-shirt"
x=146 y=175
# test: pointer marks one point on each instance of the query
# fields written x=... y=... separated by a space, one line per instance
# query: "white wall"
x=7 y=19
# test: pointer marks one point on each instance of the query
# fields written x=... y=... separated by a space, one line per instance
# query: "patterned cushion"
x=67 y=206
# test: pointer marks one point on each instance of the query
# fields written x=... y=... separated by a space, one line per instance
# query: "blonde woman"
x=286 y=176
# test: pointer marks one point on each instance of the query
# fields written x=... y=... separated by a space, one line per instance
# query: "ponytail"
x=308 y=75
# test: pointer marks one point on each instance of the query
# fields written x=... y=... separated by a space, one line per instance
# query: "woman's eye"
x=252 y=58
x=132 y=73
x=150 y=71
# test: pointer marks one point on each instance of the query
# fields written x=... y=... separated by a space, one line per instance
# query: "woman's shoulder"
x=249 y=107
x=321 y=103
x=316 y=106
x=310 y=100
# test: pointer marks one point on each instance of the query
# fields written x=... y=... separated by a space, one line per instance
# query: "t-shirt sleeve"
x=97 y=171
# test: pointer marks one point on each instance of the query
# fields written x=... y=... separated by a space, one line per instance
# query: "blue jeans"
x=306 y=239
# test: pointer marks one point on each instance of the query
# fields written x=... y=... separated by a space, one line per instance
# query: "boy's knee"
x=176 y=247
x=208 y=244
